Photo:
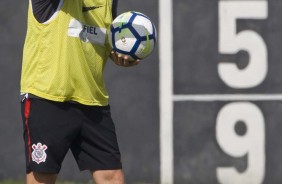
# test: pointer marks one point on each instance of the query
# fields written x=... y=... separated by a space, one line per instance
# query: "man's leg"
x=40 y=178
x=108 y=177
x=96 y=149
x=46 y=143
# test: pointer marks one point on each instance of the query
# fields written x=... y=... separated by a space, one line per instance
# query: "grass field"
x=58 y=182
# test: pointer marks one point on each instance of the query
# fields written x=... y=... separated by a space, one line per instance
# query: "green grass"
x=58 y=182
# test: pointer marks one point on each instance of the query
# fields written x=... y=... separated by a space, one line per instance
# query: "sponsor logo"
x=90 y=29
x=38 y=154
x=87 y=33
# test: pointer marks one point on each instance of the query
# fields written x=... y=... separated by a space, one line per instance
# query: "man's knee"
x=38 y=178
x=108 y=176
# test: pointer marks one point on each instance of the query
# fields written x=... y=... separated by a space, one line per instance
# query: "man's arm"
x=44 y=9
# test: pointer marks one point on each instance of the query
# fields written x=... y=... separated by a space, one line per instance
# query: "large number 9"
x=230 y=42
x=251 y=144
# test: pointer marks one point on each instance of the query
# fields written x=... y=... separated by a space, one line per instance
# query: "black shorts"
x=52 y=128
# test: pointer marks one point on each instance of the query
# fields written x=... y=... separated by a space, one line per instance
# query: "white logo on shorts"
x=38 y=154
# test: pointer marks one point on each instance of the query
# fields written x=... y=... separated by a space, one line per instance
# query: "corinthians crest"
x=38 y=154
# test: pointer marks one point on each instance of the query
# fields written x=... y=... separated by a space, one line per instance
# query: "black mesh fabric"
x=44 y=9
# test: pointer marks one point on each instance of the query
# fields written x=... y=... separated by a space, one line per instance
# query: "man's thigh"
x=49 y=130
x=96 y=147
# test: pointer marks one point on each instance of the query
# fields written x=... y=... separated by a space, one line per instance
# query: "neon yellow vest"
x=64 y=58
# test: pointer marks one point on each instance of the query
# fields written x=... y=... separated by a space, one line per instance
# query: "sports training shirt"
x=66 y=49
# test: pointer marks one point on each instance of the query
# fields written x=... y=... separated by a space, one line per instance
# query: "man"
x=65 y=103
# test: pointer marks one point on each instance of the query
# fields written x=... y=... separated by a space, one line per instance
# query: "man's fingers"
x=113 y=55
x=120 y=60
x=136 y=62
x=133 y=63
x=123 y=60
x=126 y=61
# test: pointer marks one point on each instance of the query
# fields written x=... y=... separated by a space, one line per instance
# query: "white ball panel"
x=123 y=18
x=142 y=25
x=143 y=46
x=125 y=40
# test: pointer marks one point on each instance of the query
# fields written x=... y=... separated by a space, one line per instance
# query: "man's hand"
x=122 y=60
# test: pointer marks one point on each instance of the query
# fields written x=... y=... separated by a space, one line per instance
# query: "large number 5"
x=230 y=42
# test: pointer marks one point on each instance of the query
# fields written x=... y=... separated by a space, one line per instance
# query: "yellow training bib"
x=64 y=58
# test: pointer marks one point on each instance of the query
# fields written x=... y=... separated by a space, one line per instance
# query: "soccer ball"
x=133 y=34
